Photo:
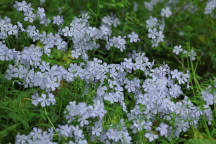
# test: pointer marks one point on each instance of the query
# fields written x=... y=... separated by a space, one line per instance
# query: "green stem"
x=191 y=76
x=49 y=118
x=195 y=78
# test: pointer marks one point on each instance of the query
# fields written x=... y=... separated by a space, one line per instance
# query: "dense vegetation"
x=107 y=71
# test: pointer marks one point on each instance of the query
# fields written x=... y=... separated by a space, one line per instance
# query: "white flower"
x=151 y=137
x=65 y=130
x=58 y=20
x=151 y=22
x=12 y=29
x=97 y=128
x=41 y=13
x=43 y=100
x=105 y=30
x=22 y=6
x=177 y=49
x=192 y=54
x=29 y=16
x=163 y=129
x=20 y=26
x=133 y=37
x=111 y=21
x=152 y=33
x=117 y=42
x=166 y=12
x=210 y=6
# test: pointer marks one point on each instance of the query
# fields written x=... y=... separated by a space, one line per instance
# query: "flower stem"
x=49 y=118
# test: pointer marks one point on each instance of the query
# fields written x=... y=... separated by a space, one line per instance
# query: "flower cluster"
x=26 y=9
x=37 y=136
x=85 y=112
x=155 y=31
x=210 y=6
x=158 y=94
x=178 y=50
x=7 y=29
x=43 y=100
x=133 y=37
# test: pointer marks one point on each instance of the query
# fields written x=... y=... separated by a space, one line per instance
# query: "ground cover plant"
x=107 y=71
